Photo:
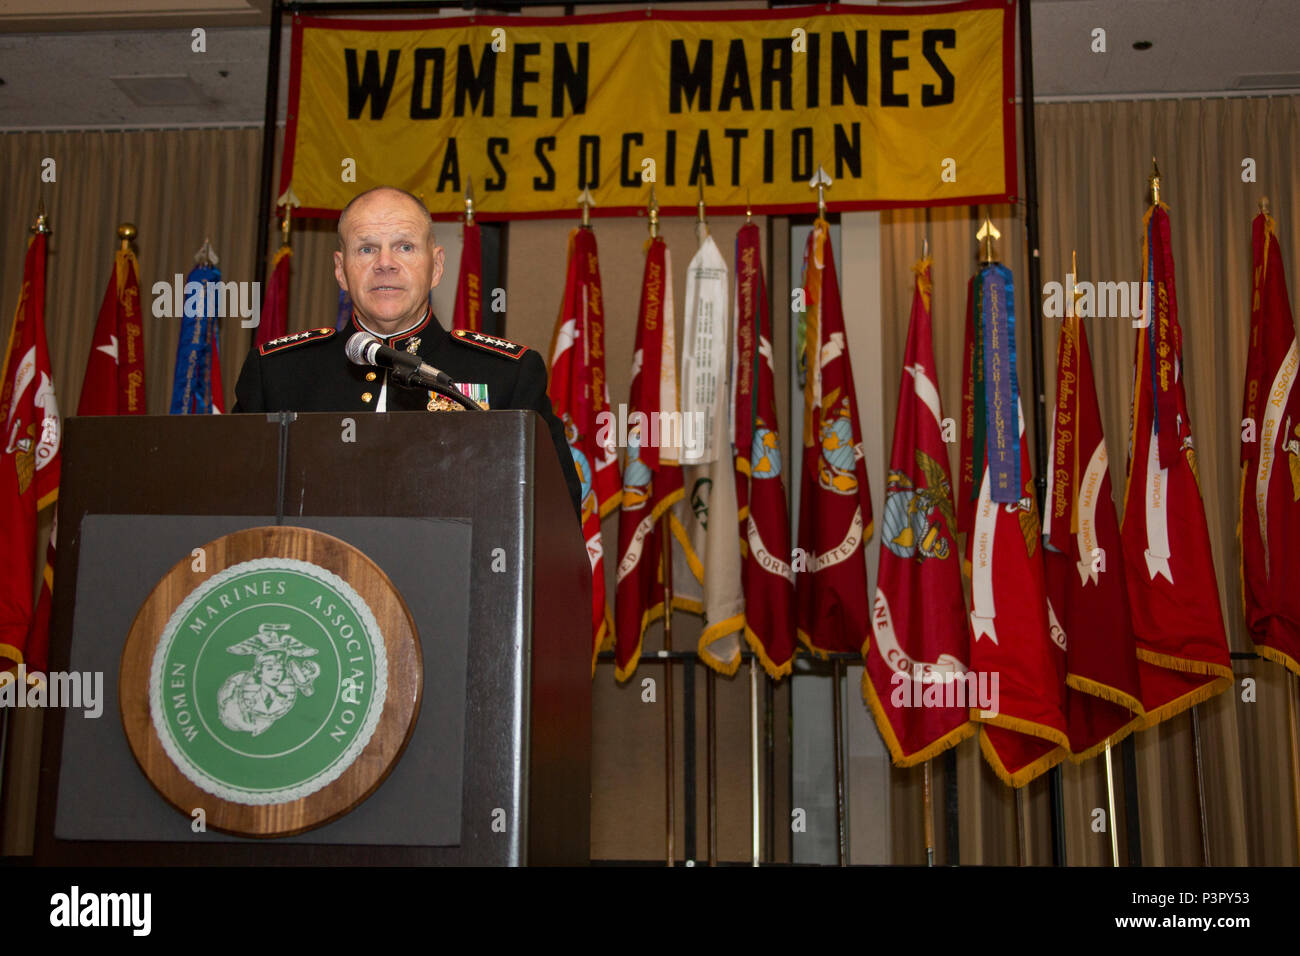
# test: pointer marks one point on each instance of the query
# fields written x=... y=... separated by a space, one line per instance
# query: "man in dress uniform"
x=388 y=263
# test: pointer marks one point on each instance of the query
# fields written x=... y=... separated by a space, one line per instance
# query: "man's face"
x=388 y=265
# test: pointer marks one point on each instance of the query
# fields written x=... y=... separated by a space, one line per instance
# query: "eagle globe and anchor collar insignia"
x=267 y=683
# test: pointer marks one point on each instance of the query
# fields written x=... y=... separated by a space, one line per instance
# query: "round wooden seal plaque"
x=276 y=688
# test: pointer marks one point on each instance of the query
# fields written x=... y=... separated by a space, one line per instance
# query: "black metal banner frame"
x=265 y=220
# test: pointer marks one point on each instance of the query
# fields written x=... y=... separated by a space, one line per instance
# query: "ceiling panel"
x=76 y=78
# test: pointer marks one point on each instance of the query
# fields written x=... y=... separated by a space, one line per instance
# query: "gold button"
x=370 y=376
x=366 y=396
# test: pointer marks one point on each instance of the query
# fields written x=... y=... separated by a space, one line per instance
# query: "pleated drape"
x=179 y=187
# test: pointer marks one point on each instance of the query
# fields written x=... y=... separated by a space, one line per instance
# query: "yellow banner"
x=903 y=106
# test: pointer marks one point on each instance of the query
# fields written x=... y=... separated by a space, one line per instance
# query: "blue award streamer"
x=1000 y=386
x=192 y=381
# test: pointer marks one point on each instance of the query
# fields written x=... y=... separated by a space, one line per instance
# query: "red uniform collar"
x=404 y=334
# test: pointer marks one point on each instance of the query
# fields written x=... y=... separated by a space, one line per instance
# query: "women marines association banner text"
x=904 y=106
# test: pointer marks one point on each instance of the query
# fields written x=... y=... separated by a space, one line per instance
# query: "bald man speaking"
x=387 y=262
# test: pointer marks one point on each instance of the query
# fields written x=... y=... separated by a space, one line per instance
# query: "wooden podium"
x=468 y=516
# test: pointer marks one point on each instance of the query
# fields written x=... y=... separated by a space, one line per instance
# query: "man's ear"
x=339 y=274
x=438 y=254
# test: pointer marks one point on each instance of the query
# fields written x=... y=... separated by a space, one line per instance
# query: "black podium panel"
x=102 y=793
x=398 y=486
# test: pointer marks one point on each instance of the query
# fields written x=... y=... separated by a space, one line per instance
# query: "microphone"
x=365 y=349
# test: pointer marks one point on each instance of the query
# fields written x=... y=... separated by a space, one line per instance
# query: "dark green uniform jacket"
x=310 y=372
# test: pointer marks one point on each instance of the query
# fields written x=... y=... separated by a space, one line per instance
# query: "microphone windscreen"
x=357 y=346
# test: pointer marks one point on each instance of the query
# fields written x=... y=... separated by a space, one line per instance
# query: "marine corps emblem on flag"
x=636 y=476
x=839 y=456
x=765 y=456
x=581 y=464
x=919 y=522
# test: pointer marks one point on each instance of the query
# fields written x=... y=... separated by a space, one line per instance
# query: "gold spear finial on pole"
x=703 y=227
x=586 y=201
x=1075 y=294
x=653 y=210
x=126 y=232
x=987 y=233
x=206 y=256
x=925 y=247
x=1154 y=180
x=288 y=199
x=469 y=201
x=749 y=213
x=821 y=182
x=1263 y=205
x=42 y=222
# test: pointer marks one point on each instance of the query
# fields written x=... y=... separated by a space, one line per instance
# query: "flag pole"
x=1110 y=770
x=1200 y=786
x=666 y=565
x=1154 y=181
x=710 y=678
x=666 y=574
x=1039 y=404
x=927 y=773
x=1110 y=795
x=753 y=760
x=1022 y=835
x=985 y=236
x=840 y=842
x=753 y=705
x=926 y=801
x=1292 y=684
x=819 y=182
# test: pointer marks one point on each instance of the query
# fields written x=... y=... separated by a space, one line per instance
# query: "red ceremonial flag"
x=967 y=486
x=835 y=519
x=114 y=383
x=1172 y=589
x=1270 y=463
x=468 y=313
x=919 y=642
x=274 y=320
x=652 y=476
x=1024 y=732
x=1087 y=594
x=760 y=490
x=29 y=469
x=580 y=398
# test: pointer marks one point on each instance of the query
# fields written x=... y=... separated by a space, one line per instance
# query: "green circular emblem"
x=268 y=681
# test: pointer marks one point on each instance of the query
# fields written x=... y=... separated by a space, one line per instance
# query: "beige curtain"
x=1093 y=162
x=180 y=186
